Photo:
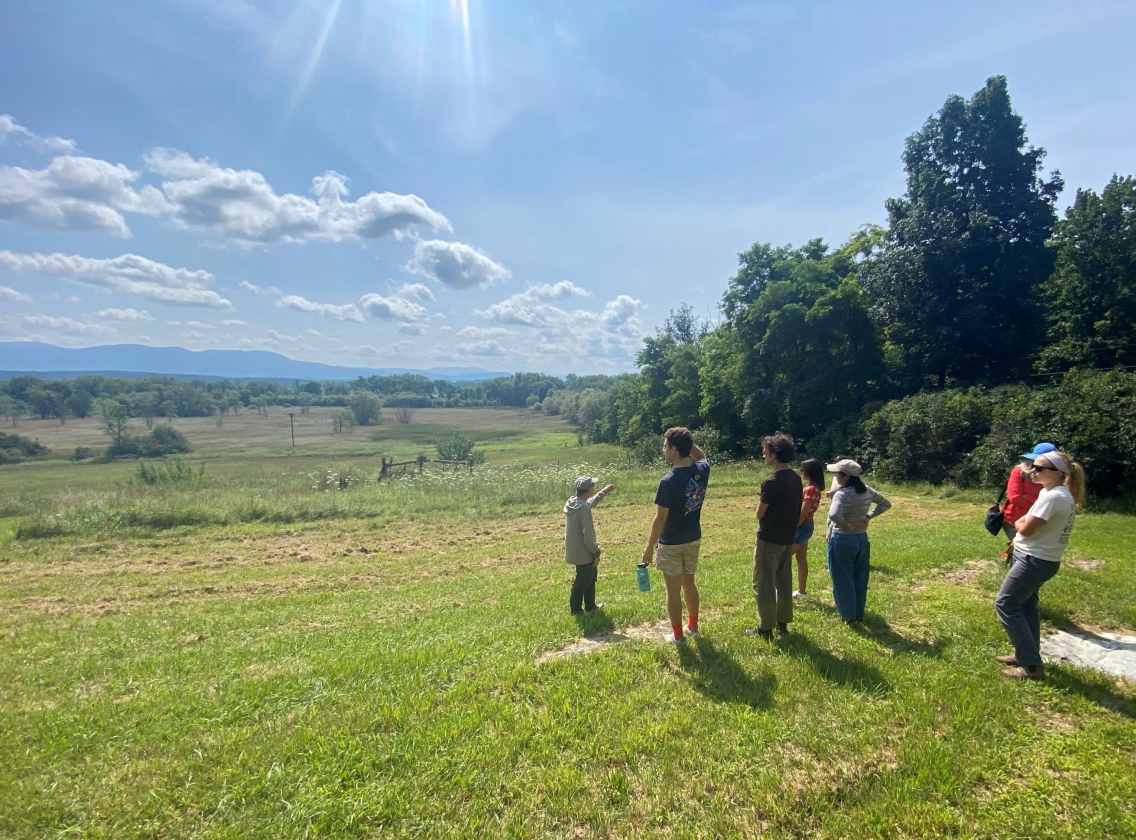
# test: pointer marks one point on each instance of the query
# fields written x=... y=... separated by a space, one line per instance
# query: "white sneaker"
x=799 y=594
x=693 y=632
x=671 y=640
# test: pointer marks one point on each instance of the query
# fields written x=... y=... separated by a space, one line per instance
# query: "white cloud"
x=242 y=206
x=173 y=323
x=531 y=308
x=258 y=290
x=620 y=310
x=75 y=193
x=555 y=291
x=411 y=329
x=194 y=335
x=482 y=332
x=12 y=296
x=234 y=322
x=200 y=325
x=392 y=308
x=482 y=348
x=129 y=274
x=368 y=350
x=9 y=128
x=414 y=291
x=344 y=312
x=70 y=326
x=125 y=315
x=455 y=264
x=614 y=332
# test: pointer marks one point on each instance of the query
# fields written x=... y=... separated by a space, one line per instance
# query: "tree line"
x=975 y=318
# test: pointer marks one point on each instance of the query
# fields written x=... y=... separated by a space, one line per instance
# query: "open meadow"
x=252 y=651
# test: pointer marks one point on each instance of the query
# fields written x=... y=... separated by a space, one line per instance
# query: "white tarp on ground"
x=1101 y=651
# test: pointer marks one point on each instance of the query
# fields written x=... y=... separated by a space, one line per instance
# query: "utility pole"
x=292 y=427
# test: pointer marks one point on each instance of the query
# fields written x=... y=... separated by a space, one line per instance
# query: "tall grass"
x=328 y=493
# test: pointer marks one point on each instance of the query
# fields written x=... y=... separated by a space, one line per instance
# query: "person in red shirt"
x=813 y=473
x=1021 y=492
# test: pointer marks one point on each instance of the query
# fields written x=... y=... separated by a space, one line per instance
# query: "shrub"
x=647 y=451
x=14 y=448
x=1089 y=414
x=171 y=471
x=457 y=447
x=367 y=408
x=82 y=453
x=163 y=440
x=927 y=436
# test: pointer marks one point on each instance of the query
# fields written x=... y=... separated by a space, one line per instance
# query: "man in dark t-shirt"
x=676 y=531
x=777 y=514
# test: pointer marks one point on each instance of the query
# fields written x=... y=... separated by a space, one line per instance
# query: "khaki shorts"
x=674 y=560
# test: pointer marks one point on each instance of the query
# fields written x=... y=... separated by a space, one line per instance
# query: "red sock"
x=677 y=630
x=692 y=621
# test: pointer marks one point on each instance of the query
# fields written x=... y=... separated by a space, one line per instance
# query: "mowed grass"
x=375 y=674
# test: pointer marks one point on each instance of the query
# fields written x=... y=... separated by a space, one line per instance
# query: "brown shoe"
x=1020 y=673
x=1007 y=660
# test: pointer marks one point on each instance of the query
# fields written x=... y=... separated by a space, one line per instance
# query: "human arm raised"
x=595 y=499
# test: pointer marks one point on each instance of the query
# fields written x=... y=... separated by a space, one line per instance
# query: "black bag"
x=995 y=516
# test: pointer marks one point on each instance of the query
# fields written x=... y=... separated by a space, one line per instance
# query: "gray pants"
x=1018 y=609
x=773 y=583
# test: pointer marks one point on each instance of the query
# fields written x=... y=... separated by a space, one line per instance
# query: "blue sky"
x=478 y=183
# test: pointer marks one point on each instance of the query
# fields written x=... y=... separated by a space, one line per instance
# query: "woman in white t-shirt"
x=1042 y=536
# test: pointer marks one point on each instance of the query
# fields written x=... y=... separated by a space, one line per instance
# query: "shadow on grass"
x=717 y=675
x=594 y=623
x=876 y=628
x=849 y=673
x=1096 y=687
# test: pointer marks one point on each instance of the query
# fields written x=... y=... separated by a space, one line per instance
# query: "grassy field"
x=246 y=656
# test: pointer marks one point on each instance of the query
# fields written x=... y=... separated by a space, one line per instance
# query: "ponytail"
x=1075 y=480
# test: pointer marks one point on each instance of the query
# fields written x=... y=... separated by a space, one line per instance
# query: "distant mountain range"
x=135 y=360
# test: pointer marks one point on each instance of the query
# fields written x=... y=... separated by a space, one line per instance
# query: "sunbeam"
x=317 y=52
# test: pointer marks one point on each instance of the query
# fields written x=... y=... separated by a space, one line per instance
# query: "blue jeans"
x=848 y=567
x=1018 y=609
x=804 y=532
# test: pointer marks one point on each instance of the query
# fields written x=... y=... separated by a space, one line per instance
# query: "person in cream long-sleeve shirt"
x=848 y=547
x=580 y=546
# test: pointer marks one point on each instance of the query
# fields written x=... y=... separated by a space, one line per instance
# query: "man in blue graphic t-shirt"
x=677 y=530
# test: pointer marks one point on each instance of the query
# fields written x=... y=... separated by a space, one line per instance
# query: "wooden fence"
x=421 y=461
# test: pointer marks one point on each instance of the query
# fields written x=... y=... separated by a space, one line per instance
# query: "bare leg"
x=674 y=598
x=690 y=590
x=802 y=552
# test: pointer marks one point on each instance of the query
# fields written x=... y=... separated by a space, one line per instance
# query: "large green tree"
x=954 y=286
x=797 y=350
x=1091 y=297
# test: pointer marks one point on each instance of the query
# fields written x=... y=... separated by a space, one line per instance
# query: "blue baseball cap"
x=1040 y=449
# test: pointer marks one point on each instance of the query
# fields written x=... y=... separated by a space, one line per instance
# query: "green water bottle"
x=643 y=577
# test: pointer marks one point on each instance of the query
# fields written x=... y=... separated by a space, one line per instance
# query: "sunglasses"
x=1043 y=467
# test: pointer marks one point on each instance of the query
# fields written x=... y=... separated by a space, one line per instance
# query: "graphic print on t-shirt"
x=695 y=492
